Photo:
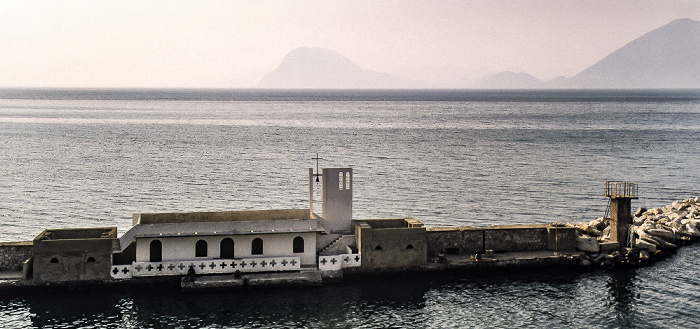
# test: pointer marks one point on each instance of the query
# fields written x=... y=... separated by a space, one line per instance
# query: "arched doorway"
x=256 y=247
x=298 y=245
x=226 y=248
x=156 y=251
x=200 y=249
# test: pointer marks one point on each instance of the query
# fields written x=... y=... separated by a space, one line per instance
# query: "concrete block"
x=588 y=244
x=607 y=246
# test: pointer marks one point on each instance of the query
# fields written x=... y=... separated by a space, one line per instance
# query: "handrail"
x=621 y=189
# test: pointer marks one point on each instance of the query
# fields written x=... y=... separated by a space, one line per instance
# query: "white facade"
x=176 y=248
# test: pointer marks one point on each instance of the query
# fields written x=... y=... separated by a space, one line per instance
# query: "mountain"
x=317 y=68
x=508 y=80
x=667 y=57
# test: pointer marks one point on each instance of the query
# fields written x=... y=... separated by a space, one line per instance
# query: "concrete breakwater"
x=72 y=257
x=653 y=234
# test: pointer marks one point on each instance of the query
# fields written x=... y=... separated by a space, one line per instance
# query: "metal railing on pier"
x=620 y=189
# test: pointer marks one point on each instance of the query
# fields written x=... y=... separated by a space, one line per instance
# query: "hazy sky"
x=233 y=44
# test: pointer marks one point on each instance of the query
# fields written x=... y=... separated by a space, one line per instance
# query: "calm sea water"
x=92 y=158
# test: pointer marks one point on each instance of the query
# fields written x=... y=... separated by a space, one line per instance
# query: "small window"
x=200 y=249
x=340 y=181
x=91 y=259
x=298 y=245
x=256 y=247
x=410 y=246
x=378 y=247
x=54 y=260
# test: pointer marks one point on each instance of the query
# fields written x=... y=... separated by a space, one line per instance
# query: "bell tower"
x=336 y=197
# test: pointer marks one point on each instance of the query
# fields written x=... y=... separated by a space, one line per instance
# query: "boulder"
x=594 y=232
x=677 y=205
x=677 y=216
x=691 y=230
x=640 y=211
x=607 y=246
x=582 y=228
x=663 y=243
x=644 y=255
x=597 y=223
x=645 y=245
x=588 y=244
x=694 y=222
x=663 y=234
x=649 y=239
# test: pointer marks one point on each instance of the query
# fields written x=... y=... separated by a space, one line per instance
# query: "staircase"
x=330 y=245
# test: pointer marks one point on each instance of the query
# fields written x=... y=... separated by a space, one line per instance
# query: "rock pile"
x=654 y=233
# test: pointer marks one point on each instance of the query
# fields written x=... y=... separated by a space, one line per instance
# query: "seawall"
x=13 y=254
x=504 y=238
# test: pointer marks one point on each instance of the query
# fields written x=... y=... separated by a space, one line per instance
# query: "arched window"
x=54 y=260
x=226 y=248
x=298 y=245
x=410 y=246
x=156 y=251
x=256 y=247
x=378 y=247
x=91 y=259
x=200 y=249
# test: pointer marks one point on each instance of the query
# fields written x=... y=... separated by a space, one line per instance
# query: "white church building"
x=224 y=242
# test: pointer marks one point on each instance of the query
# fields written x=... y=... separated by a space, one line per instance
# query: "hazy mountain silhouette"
x=667 y=57
x=508 y=80
x=317 y=68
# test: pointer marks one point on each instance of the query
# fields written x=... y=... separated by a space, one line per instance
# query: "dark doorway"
x=257 y=247
x=298 y=245
x=156 y=251
x=226 y=248
x=200 y=249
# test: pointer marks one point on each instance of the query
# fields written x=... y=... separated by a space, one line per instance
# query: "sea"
x=91 y=158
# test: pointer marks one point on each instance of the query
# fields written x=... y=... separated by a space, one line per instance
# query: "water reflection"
x=588 y=300
x=622 y=293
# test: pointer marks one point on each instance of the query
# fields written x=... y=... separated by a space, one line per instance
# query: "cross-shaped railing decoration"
x=336 y=262
x=261 y=264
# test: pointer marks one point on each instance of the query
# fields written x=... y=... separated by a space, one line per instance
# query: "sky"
x=233 y=44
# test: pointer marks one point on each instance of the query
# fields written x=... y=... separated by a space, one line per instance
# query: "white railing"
x=336 y=262
x=209 y=266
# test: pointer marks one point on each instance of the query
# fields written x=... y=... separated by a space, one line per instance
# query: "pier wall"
x=390 y=244
x=13 y=254
x=470 y=240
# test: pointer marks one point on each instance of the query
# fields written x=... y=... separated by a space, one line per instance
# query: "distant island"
x=667 y=57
